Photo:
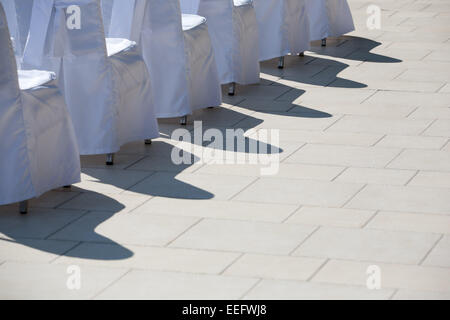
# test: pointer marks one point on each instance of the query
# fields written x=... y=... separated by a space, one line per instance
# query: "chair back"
x=9 y=84
x=64 y=28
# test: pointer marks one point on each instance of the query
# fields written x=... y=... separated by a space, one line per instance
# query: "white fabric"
x=190 y=21
x=234 y=35
x=118 y=45
x=38 y=147
x=283 y=27
x=329 y=18
x=18 y=14
x=29 y=79
x=177 y=51
x=108 y=97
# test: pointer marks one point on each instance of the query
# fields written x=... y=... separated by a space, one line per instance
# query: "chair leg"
x=324 y=42
x=110 y=159
x=281 y=63
x=183 y=120
x=232 y=89
x=23 y=207
x=148 y=141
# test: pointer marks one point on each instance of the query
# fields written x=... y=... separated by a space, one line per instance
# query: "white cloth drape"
x=177 y=50
x=38 y=147
x=283 y=27
x=107 y=89
x=233 y=28
x=329 y=18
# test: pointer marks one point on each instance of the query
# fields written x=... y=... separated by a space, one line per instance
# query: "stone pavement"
x=363 y=186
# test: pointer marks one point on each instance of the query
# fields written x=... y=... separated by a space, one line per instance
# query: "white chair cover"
x=105 y=83
x=18 y=13
x=234 y=34
x=180 y=59
x=38 y=147
x=329 y=18
x=283 y=27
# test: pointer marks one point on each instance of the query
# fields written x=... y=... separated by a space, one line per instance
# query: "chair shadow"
x=17 y=229
x=360 y=50
x=313 y=71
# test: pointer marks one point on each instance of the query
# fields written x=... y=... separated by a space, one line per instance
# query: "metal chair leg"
x=23 y=207
x=148 y=141
x=324 y=42
x=110 y=159
x=232 y=89
x=281 y=63
x=183 y=120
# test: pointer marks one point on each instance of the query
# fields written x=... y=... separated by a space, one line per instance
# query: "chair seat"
x=191 y=21
x=117 y=45
x=239 y=3
x=29 y=79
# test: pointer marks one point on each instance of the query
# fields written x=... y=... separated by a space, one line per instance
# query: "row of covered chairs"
x=115 y=66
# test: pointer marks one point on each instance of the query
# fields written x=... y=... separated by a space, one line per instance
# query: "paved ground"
x=364 y=181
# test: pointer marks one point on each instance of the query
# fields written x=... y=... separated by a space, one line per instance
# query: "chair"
x=38 y=146
x=233 y=28
x=105 y=81
x=329 y=18
x=283 y=28
x=178 y=52
x=18 y=13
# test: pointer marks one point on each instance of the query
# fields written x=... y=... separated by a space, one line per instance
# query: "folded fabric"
x=117 y=45
x=29 y=79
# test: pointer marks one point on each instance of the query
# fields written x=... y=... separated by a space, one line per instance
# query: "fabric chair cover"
x=18 y=13
x=177 y=50
x=329 y=18
x=38 y=147
x=234 y=34
x=105 y=82
x=283 y=27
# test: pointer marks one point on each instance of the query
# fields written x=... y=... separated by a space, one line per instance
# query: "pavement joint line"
x=200 y=219
x=244 y=188
x=297 y=209
x=411 y=179
x=292 y=153
x=427 y=127
x=430 y=250
x=114 y=281
x=315 y=272
x=353 y=196
x=250 y=289
x=393 y=294
x=58 y=206
x=441 y=87
x=86 y=212
x=411 y=112
x=366 y=223
x=63 y=254
x=334 y=122
x=339 y=174
x=379 y=140
x=402 y=150
x=316 y=228
x=152 y=173
x=239 y=256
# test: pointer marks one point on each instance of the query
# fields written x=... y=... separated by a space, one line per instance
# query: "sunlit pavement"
x=359 y=209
